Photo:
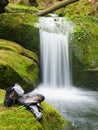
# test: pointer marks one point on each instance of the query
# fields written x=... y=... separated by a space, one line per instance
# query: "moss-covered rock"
x=20 y=8
x=82 y=7
x=17 y=65
x=85 y=51
x=20 y=28
x=22 y=119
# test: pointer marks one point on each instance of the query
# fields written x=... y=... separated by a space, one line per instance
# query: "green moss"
x=21 y=119
x=17 y=65
x=82 y=7
x=85 y=51
x=19 y=27
x=12 y=46
x=2 y=93
x=20 y=64
x=15 y=118
x=21 y=8
x=86 y=39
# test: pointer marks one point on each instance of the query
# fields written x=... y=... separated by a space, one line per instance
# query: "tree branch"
x=56 y=6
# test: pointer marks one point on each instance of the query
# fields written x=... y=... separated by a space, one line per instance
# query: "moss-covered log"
x=55 y=7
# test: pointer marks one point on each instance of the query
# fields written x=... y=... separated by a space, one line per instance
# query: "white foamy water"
x=58 y=25
x=71 y=94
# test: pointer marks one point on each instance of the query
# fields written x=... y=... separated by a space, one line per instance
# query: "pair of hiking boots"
x=15 y=95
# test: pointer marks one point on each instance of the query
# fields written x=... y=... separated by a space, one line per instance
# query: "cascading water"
x=54 y=53
x=54 y=59
x=78 y=106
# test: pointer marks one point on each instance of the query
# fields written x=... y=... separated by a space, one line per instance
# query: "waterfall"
x=54 y=59
x=54 y=52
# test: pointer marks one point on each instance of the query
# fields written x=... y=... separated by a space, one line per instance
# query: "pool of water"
x=77 y=106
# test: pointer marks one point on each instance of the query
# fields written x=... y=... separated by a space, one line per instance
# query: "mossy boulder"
x=17 y=117
x=20 y=8
x=20 y=28
x=17 y=64
x=85 y=51
x=82 y=7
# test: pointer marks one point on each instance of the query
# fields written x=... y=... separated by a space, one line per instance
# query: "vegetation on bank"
x=85 y=51
x=86 y=40
x=17 y=117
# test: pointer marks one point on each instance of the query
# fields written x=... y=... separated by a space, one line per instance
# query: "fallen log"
x=56 y=6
